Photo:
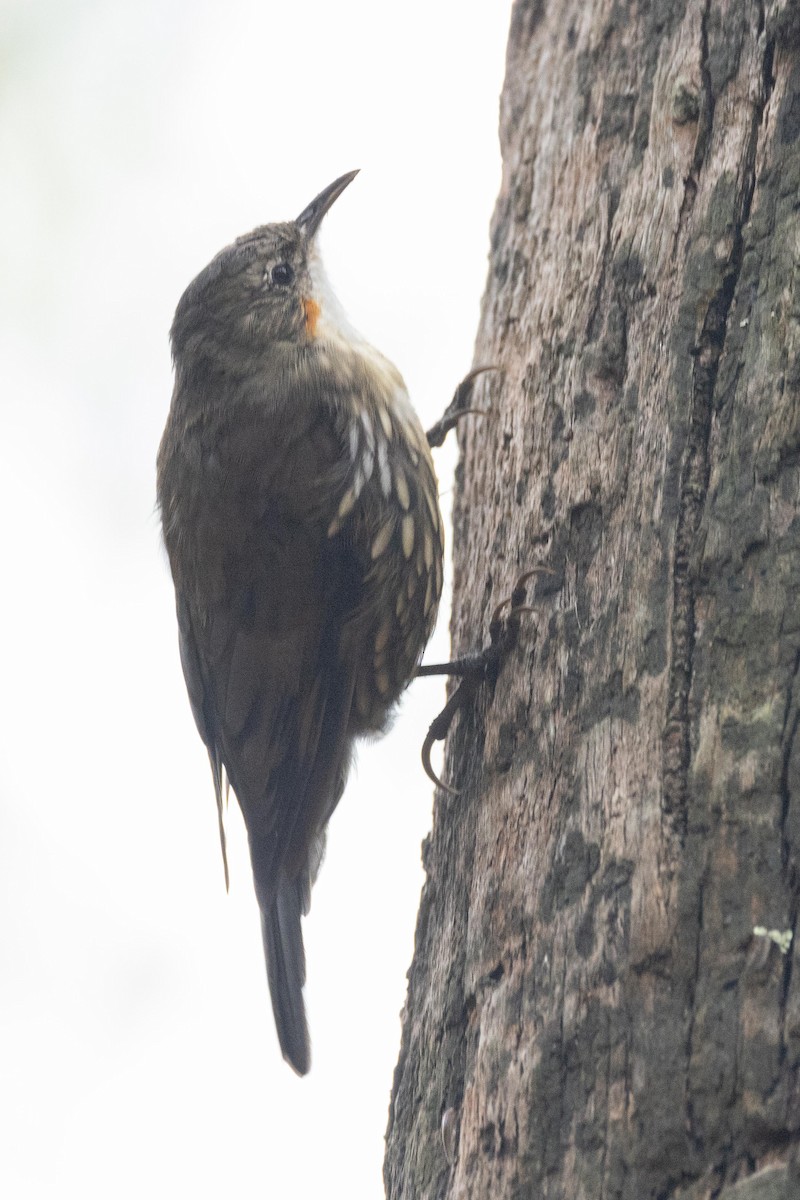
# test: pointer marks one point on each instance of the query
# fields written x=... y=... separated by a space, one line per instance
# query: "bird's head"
x=261 y=290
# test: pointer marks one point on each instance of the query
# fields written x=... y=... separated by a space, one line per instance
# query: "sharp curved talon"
x=515 y=600
x=469 y=379
x=498 y=612
x=528 y=575
x=465 y=388
x=427 y=746
x=449 y=421
x=519 y=609
x=471 y=412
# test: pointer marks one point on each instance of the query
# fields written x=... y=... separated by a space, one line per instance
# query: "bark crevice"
x=707 y=353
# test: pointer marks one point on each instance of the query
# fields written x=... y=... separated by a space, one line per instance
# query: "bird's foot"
x=473 y=670
x=458 y=407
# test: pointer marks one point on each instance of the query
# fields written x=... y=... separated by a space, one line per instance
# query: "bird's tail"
x=283 y=889
x=286 y=970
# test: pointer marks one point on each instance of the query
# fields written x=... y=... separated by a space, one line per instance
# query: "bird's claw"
x=438 y=731
x=458 y=407
x=475 y=669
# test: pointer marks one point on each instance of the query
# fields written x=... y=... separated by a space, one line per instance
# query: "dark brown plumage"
x=301 y=520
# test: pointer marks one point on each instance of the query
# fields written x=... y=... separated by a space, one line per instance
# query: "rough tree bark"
x=588 y=994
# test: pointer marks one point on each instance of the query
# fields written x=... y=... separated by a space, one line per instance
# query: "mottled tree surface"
x=588 y=993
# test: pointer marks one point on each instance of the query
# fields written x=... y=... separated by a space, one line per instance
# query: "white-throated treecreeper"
x=300 y=515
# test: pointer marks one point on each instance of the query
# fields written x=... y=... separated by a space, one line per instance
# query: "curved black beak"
x=310 y=218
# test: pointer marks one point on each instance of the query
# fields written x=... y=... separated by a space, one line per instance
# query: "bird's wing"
x=197 y=687
x=270 y=693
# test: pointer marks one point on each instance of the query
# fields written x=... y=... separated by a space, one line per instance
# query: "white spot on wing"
x=382 y=540
x=401 y=487
x=345 y=508
x=429 y=596
x=382 y=637
x=433 y=506
x=383 y=468
x=386 y=421
x=408 y=535
x=369 y=432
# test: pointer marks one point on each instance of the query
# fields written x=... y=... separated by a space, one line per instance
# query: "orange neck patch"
x=311 y=310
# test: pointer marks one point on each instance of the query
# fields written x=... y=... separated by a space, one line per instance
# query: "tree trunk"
x=598 y=992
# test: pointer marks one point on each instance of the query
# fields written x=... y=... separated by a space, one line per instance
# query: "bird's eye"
x=282 y=274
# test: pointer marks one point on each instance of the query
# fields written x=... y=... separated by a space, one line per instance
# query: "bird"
x=299 y=510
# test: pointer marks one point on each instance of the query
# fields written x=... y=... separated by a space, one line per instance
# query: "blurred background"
x=137 y=1050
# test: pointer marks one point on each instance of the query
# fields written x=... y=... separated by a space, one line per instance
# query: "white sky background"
x=137 y=1050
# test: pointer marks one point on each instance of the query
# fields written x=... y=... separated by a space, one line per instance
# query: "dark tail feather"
x=286 y=972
